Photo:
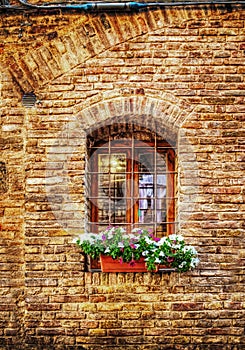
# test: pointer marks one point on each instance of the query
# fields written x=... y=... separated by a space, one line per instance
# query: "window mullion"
x=132 y=180
x=135 y=183
x=109 y=175
x=155 y=185
x=170 y=192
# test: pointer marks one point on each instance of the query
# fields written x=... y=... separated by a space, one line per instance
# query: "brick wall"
x=182 y=69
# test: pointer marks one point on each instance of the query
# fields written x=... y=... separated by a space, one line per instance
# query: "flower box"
x=108 y=264
x=138 y=251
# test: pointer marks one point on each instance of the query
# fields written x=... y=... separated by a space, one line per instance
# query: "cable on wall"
x=113 y=6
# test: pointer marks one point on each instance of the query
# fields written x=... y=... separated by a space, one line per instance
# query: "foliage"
x=171 y=251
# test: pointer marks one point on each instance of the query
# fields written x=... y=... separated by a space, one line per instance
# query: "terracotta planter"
x=108 y=264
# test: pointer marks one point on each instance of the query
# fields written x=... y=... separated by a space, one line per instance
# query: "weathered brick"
x=181 y=66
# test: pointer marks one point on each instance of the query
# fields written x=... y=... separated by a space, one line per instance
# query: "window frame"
x=132 y=167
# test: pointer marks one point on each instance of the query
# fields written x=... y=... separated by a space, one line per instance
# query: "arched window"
x=130 y=180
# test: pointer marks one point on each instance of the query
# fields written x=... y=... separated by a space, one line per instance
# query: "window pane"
x=111 y=210
x=161 y=198
x=111 y=201
x=114 y=163
x=146 y=163
x=103 y=185
x=103 y=211
x=104 y=163
x=160 y=163
x=118 y=163
x=118 y=212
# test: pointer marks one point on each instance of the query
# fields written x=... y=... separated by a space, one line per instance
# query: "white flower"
x=176 y=246
x=148 y=240
x=182 y=264
x=98 y=236
x=110 y=234
x=161 y=242
x=186 y=249
x=191 y=249
x=194 y=262
x=125 y=236
x=146 y=252
x=180 y=238
x=86 y=237
x=168 y=243
x=175 y=237
x=161 y=253
x=107 y=250
x=157 y=261
x=120 y=245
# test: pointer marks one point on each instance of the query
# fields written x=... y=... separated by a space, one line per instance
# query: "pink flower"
x=132 y=263
x=121 y=260
x=169 y=259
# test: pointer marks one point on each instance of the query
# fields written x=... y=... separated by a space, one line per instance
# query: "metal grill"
x=29 y=100
x=130 y=195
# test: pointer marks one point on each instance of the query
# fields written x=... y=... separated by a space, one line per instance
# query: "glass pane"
x=160 y=210
x=118 y=186
x=118 y=213
x=103 y=185
x=161 y=230
x=104 y=163
x=118 y=163
x=146 y=198
x=146 y=216
x=112 y=188
x=160 y=163
x=146 y=186
x=161 y=198
x=146 y=162
x=114 y=163
x=111 y=211
x=103 y=210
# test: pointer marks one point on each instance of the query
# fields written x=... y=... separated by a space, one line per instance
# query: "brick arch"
x=166 y=112
x=164 y=115
x=87 y=37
